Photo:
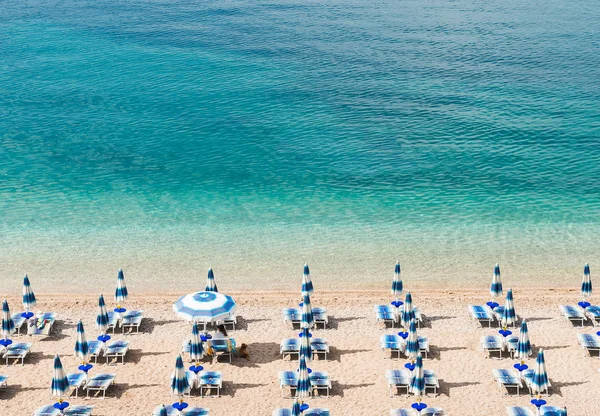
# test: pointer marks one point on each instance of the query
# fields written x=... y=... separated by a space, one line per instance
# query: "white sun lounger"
x=482 y=314
x=190 y=411
x=319 y=381
x=49 y=318
x=19 y=322
x=593 y=314
x=230 y=321
x=553 y=411
x=319 y=347
x=397 y=380
x=115 y=350
x=222 y=347
x=292 y=315
x=573 y=314
x=76 y=381
x=100 y=382
x=210 y=380
x=386 y=314
x=527 y=376
x=431 y=381
x=589 y=342
x=3 y=383
x=289 y=346
x=491 y=344
x=519 y=411
x=507 y=379
x=288 y=380
x=73 y=410
x=17 y=351
x=430 y=411
x=132 y=320
x=320 y=316
x=392 y=342
x=95 y=349
x=114 y=320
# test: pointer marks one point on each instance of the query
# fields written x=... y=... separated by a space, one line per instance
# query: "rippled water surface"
x=167 y=136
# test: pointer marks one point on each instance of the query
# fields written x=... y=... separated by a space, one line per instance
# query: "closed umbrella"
x=496 y=287
x=102 y=320
x=28 y=298
x=307 y=285
x=417 y=380
x=397 y=282
x=523 y=346
x=305 y=348
x=296 y=408
x=539 y=382
x=408 y=313
x=120 y=292
x=179 y=381
x=586 y=285
x=82 y=349
x=211 y=285
x=509 y=315
x=196 y=348
x=60 y=384
x=303 y=388
x=308 y=319
x=412 y=342
x=8 y=326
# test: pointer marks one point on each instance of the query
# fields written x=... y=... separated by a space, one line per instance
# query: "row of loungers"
x=544 y=411
x=497 y=343
x=319 y=382
x=75 y=410
x=221 y=347
x=291 y=347
x=576 y=314
x=294 y=316
x=511 y=379
x=40 y=325
x=391 y=315
x=486 y=315
x=397 y=344
x=205 y=382
x=190 y=411
x=398 y=380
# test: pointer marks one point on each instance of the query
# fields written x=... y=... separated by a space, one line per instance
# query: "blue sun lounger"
x=190 y=411
x=3 y=383
x=289 y=346
x=76 y=381
x=319 y=347
x=320 y=316
x=308 y=412
x=100 y=383
x=573 y=314
x=210 y=380
x=397 y=380
x=319 y=381
x=519 y=411
x=528 y=376
x=589 y=342
x=73 y=410
x=553 y=411
x=114 y=320
x=386 y=314
x=115 y=350
x=593 y=314
x=293 y=315
x=222 y=347
x=95 y=349
x=482 y=314
x=491 y=344
x=132 y=320
x=17 y=351
x=392 y=342
x=507 y=379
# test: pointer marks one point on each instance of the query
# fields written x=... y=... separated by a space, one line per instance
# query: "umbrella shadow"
x=10 y=391
x=149 y=324
x=334 y=323
x=436 y=352
x=36 y=357
x=235 y=387
x=539 y=318
x=446 y=388
x=536 y=349
x=428 y=320
x=260 y=353
x=242 y=323
x=557 y=386
x=135 y=356
x=118 y=389
x=335 y=354
x=338 y=389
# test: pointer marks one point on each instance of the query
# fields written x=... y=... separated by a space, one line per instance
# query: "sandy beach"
x=356 y=363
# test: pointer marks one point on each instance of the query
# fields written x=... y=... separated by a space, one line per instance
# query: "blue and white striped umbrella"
x=308 y=319
x=204 y=306
x=296 y=408
x=8 y=326
x=539 y=382
x=412 y=341
x=307 y=285
x=496 y=288
x=509 y=316
x=523 y=346
x=196 y=348
x=60 y=383
x=397 y=282
x=211 y=284
x=121 y=290
x=303 y=388
x=417 y=379
x=163 y=411
x=28 y=296
x=586 y=285
x=82 y=348
x=305 y=348
x=408 y=313
x=179 y=381
x=102 y=317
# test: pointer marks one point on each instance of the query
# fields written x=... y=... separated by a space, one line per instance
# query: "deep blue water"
x=425 y=128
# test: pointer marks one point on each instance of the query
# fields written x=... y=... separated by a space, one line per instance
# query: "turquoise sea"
x=251 y=136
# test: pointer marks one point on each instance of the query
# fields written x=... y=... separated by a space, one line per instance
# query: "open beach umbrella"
x=407 y=314
x=509 y=316
x=307 y=285
x=303 y=388
x=496 y=288
x=305 y=348
x=586 y=285
x=204 y=306
x=539 y=382
x=412 y=342
x=397 y=282
x=102 y=317
x=308 y=319
x=60 y=383
x=8 y=326
x=28 y=298
x=196 y=348
x=417 y=379
x=523 y=346
x=211 y=285
x=82 y=348
x=296 y=408
x=179 y=381
x=121 y=290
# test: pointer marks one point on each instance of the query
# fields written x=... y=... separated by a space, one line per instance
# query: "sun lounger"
x=114 y=320
x=190 y=411
x=73 y=410
x=320 y=316
x=222 y=347
x=386 y=314
x=289 y=346
x=288 y=380
x=431 y=381
x=210 y=380
x=319 y=347
x=19 y=322
x=519 y=411
x=430 y=411
x=498 y=312
x=552 y=411
x=41 y=325
x=392 y=342
x=423 y=346
x=573 y=314
x=491 y=344
x=293 y=315
x=418 y=316
x=507 y=379
x=511 y=342
x=483 y=314
x=115 y=350
x=230 y=321
x=76 y=381
x=593 y=314
x=397 y=380
x=308 y=412
x=528 y=376
x=17 y=351
x=590 y=342
x=132 y=320
x=3 y=383
x=100 y=383
x=320 y=381
x=95 y=349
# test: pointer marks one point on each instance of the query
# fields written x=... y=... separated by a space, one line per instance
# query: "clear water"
x=170 y=136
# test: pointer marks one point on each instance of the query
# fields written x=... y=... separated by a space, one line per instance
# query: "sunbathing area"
x=274 y=353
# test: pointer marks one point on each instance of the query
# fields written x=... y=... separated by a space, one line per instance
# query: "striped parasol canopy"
x=496 y=288
x=211 y=285
x=539 y=382
x=296 y=408
x=303 y=388
x=82 y=348
x=305 y=348
x=179 y=381
x=412 y=342
x=121 y=290
x=417 y=379
x=586 y=285
x=307 y=285
x=523 y=346
x=196 y=348
x=397 y=282
x=28 y=296
x=102 y=317
x=60 y=383
x=8 y=326
x=204 y=306
x=308 y=319
x=509 y=316
x=407 y=314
